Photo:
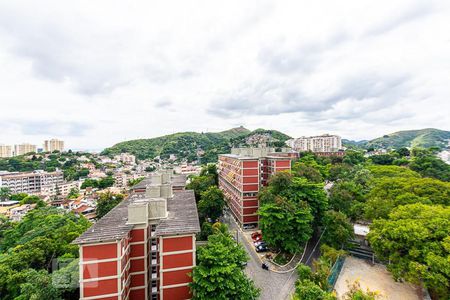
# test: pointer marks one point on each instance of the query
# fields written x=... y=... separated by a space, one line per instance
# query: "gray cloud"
x=52 y=128
x=409 y=14
x=271 y=98
x=163 y=103
x=303 y=58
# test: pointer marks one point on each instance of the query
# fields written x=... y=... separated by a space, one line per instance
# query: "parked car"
x=249 y=226
x=256 y=236
x=261 y=248
x=257 y=243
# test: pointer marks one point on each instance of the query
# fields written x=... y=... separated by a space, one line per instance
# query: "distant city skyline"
x=97 y=73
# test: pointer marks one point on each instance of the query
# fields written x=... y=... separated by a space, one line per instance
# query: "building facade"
x=144 y=248
x=53 y=145
x=321 y=143
x=5 y=151
x=243 y=173
x=22 y=149
x=126 y=158
x=30 y=182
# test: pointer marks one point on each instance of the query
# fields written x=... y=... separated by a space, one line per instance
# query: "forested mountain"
x=194 y=145
x=422 y=138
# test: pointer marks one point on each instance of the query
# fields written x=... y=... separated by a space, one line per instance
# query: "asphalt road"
x=273 y=286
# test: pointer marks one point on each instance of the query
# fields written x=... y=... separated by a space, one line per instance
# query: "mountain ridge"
x=205 y=146
x=194 y=145
x=421 y=138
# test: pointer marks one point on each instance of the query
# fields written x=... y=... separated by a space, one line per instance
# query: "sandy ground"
x=374 y=278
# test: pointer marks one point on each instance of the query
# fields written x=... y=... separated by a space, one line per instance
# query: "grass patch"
x=283 y=258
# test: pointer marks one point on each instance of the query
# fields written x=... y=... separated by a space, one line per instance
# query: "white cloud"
x=95 y=73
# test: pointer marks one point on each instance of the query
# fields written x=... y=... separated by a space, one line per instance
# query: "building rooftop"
x=182 y=219
x=277 y=155
x=176 y=181
x=183 y=216
x=109 y=228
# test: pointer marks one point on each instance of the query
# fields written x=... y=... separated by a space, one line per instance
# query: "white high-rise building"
x=53 y=144
x=25 y=148
x=321 y=143
x=5 y=151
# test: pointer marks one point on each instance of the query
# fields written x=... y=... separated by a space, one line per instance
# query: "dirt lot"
x=374 y=278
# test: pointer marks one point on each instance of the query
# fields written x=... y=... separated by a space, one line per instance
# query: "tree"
x=307 y=171
x=344 y=196
x=150 y=169
x=312 y=285
x=210 y=170
x=338 y=231
x=106 y=182
x=392 y=171
x=206 y=231
x=73 y=193
x=5 y=193
x=415 y=239
x=352 y=157
x=429 y=165
x=313 y=168
x=89 y=183
x=308 y=290
x=285 y=225
x=132 y=182
x=31 y=199
x=106 y=202
x=200 y=184
x=218 y=273
x=38 y=285
x=297 y=189
x=402 y=152
x=382 y=159
x=356 y=293
x=211 y=203
x=28 y=248
x=390 y=192
x=312 y=193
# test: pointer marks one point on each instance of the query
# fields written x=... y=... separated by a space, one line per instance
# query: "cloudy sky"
x=98 y=72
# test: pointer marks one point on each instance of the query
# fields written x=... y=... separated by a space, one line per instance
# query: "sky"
x=95 y=73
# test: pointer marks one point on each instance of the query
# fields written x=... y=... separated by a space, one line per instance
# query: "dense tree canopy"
x=28 y=248
x=211 y=204
x=338 y=231
x=415 y=239
x=390 y=192
x=428 y=165
x=286 y=225
x=106 y=202
x=219 y=273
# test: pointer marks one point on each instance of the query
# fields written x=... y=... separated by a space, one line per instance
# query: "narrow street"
x=273 y=286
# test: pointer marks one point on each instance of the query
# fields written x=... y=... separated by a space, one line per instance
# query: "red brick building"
x=243 y=173
x=144 y=248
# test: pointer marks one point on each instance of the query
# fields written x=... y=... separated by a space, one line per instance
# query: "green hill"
x=191 y=145
x=423 y=138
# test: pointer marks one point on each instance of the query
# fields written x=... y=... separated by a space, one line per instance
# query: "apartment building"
x=25 y=148
x=144 y=248
x=56 y=187
x=30 y=182
x=53 y=144
x=126 y=158
x=5 y=151
x=321 y=143
x=243 y=173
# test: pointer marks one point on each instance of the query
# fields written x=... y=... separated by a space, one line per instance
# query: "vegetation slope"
x=191 y=145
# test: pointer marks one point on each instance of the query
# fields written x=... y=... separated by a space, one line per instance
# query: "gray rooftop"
x=176 y=180
x=182 y=219
x=183 y=216
x=109 y=228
